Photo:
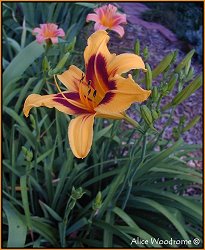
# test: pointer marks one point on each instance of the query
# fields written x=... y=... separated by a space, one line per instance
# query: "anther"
x=89 y=83
x=89 y=91
x=83 y=76
x=94 y=93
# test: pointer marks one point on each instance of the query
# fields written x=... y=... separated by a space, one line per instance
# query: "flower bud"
x=45 y=64
x=184 y=61
x=71 y=45
x=155 y=94
x=163 y=65
x=148 y=77
x=145 y=53
x=155 y=115
x=27 y=153
x=165 y=90
x=187 y=67
x=60 y=65
x=174 y=57
x=33 y=122
x=190 y=74
x=98 y=202
x=137 y=47
x=146 y=115
x=186 y=92
x=172 y=82
x=77 y=193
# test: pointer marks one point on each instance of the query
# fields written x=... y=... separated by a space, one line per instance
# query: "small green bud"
x=33 y=122
x=60 y=65
x=145 y=53
x=190 y=74
x=164 y=89
x=45 y=64
x=98 y=202
x=187 y=67
x=184 y=61
x=148 y=77
x=27 y=153
x=71 y=45
x=146 y=115
x=77 y=193
x=186 y=92
x=155 y=115
x=163 y=65
x=172 y=82
x=155 y=94
x=137 y=47
x=174 y=57
x=192 y=123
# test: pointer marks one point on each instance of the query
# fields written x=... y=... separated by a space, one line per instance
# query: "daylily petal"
x=119 y=19
x=97 y=57
x=58 y=101
x=119 y=100
x=54 y=40
x=36 y=31
x=80 y=134
x=115 y=116
x=99 y=26
x=96 y=41
x=40 y=39
x=125 y=62
x=119 y=29
x=60 y=32
x=71 y=78
x=92 y=17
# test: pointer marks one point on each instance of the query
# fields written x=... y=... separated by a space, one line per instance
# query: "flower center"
x=48 y=33
x=88 y=94
x=107 y=19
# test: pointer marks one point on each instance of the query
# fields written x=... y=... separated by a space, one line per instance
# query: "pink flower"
x=48 y=32
x=107 y=17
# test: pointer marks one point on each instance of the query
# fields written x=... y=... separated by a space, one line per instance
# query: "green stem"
x=133 y=123
x=165 y=126
x=133 y=175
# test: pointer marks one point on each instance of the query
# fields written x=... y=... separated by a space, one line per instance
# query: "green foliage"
x=132 y=184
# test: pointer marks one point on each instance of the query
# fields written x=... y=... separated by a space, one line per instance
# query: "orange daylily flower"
x=100 y=92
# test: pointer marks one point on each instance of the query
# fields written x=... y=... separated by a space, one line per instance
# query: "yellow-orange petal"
x=127 y=92
x=80 y=134
x=97 y=41
x=125 y=62
x=57 y=101
x=71 y=78
x=114 y=116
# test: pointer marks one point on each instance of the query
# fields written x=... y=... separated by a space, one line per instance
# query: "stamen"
x=89 y=91
x=83 y=76
x=60 y=89
x=89 y=83
x=94 y=93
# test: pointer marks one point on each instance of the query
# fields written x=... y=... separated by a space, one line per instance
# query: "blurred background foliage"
x=184 y=19
x=132 y=184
